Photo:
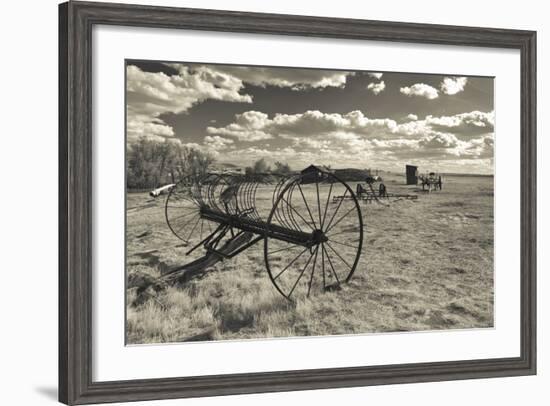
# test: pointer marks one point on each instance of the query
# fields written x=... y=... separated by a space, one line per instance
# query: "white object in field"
x=161 y=190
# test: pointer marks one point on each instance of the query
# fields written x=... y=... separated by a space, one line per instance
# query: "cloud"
x=376 y=88
x=420 y=89
x=151 y=94
x=454 y=85
x=216 y=142
x=413 y=117
x=248 y=126
x=351 y=138
x=464 y=124
x=376 y=75
x=297 y=79
x=254 y=125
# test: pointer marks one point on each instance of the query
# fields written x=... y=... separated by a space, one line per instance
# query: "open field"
x=426 y=264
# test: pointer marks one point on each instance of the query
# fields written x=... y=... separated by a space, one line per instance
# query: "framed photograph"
x=259 y=202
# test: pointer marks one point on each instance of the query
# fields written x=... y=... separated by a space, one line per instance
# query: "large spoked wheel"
x=325 y=207
x=182 y=212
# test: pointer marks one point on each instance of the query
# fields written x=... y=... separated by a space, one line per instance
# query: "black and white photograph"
x=268 y=202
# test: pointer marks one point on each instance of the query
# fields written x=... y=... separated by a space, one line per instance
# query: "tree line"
x=150 y=163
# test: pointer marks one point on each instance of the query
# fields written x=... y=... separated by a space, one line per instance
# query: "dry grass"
x=425 y=265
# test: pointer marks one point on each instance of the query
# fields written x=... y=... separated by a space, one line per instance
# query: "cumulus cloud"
x=377 y=88
x=248 y=126
x=254 y=125
x=453 y=85
x=420 y=89
x=413 y=117
x=216 y=142
x=151 y=94
x=297 y=79
x=376 y=75
x=336 y=137
x=464 y=124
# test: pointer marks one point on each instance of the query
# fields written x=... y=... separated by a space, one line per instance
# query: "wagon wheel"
x=182 y=212
x=325 y=207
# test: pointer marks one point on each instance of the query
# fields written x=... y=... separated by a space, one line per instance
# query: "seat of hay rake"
x=311 y=241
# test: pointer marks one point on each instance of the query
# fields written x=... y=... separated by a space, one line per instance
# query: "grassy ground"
x=425 y=265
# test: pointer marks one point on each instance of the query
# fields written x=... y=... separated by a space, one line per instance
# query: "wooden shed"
x=412 y=174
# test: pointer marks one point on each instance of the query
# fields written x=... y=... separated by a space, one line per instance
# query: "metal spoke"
x=338 y=255
x=323 y=266
x=341 y=243
x=312 y=271
x=326 y=206
x=337 y=208
x=307 y=206
x=318 y=200
x=294 y=260
x=182 y=227
x=183 y=215
x=283 y=249
x=303 y=219
x=330 y=263
x=340 y=219
x=301 y=273
x=341 y=232
x=193 y=229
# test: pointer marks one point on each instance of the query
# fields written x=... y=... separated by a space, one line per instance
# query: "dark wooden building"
x=315 y=172
x=412 y=174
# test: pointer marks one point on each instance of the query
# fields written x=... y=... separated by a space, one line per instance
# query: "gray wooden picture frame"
x=76 y=20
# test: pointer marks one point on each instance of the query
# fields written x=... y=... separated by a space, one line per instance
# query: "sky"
x=345 y=119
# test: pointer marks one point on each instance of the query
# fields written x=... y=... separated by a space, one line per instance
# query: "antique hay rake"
x=311 y=241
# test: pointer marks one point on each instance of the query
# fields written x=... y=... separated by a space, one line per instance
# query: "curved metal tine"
x=286 y=217
x=280 y=210
x=253 y=191
x=289 y=213
x=202 y=189
x=302 y=273
x=214 y=195
x=248 y=203
x=233 y=184
x=275 y=196
x=294 y=210
x=286 y=212
x=242 y=197
x=330 y=263
x=284 y=209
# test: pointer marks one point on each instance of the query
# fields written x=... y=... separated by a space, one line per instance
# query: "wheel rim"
x=324 y=206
